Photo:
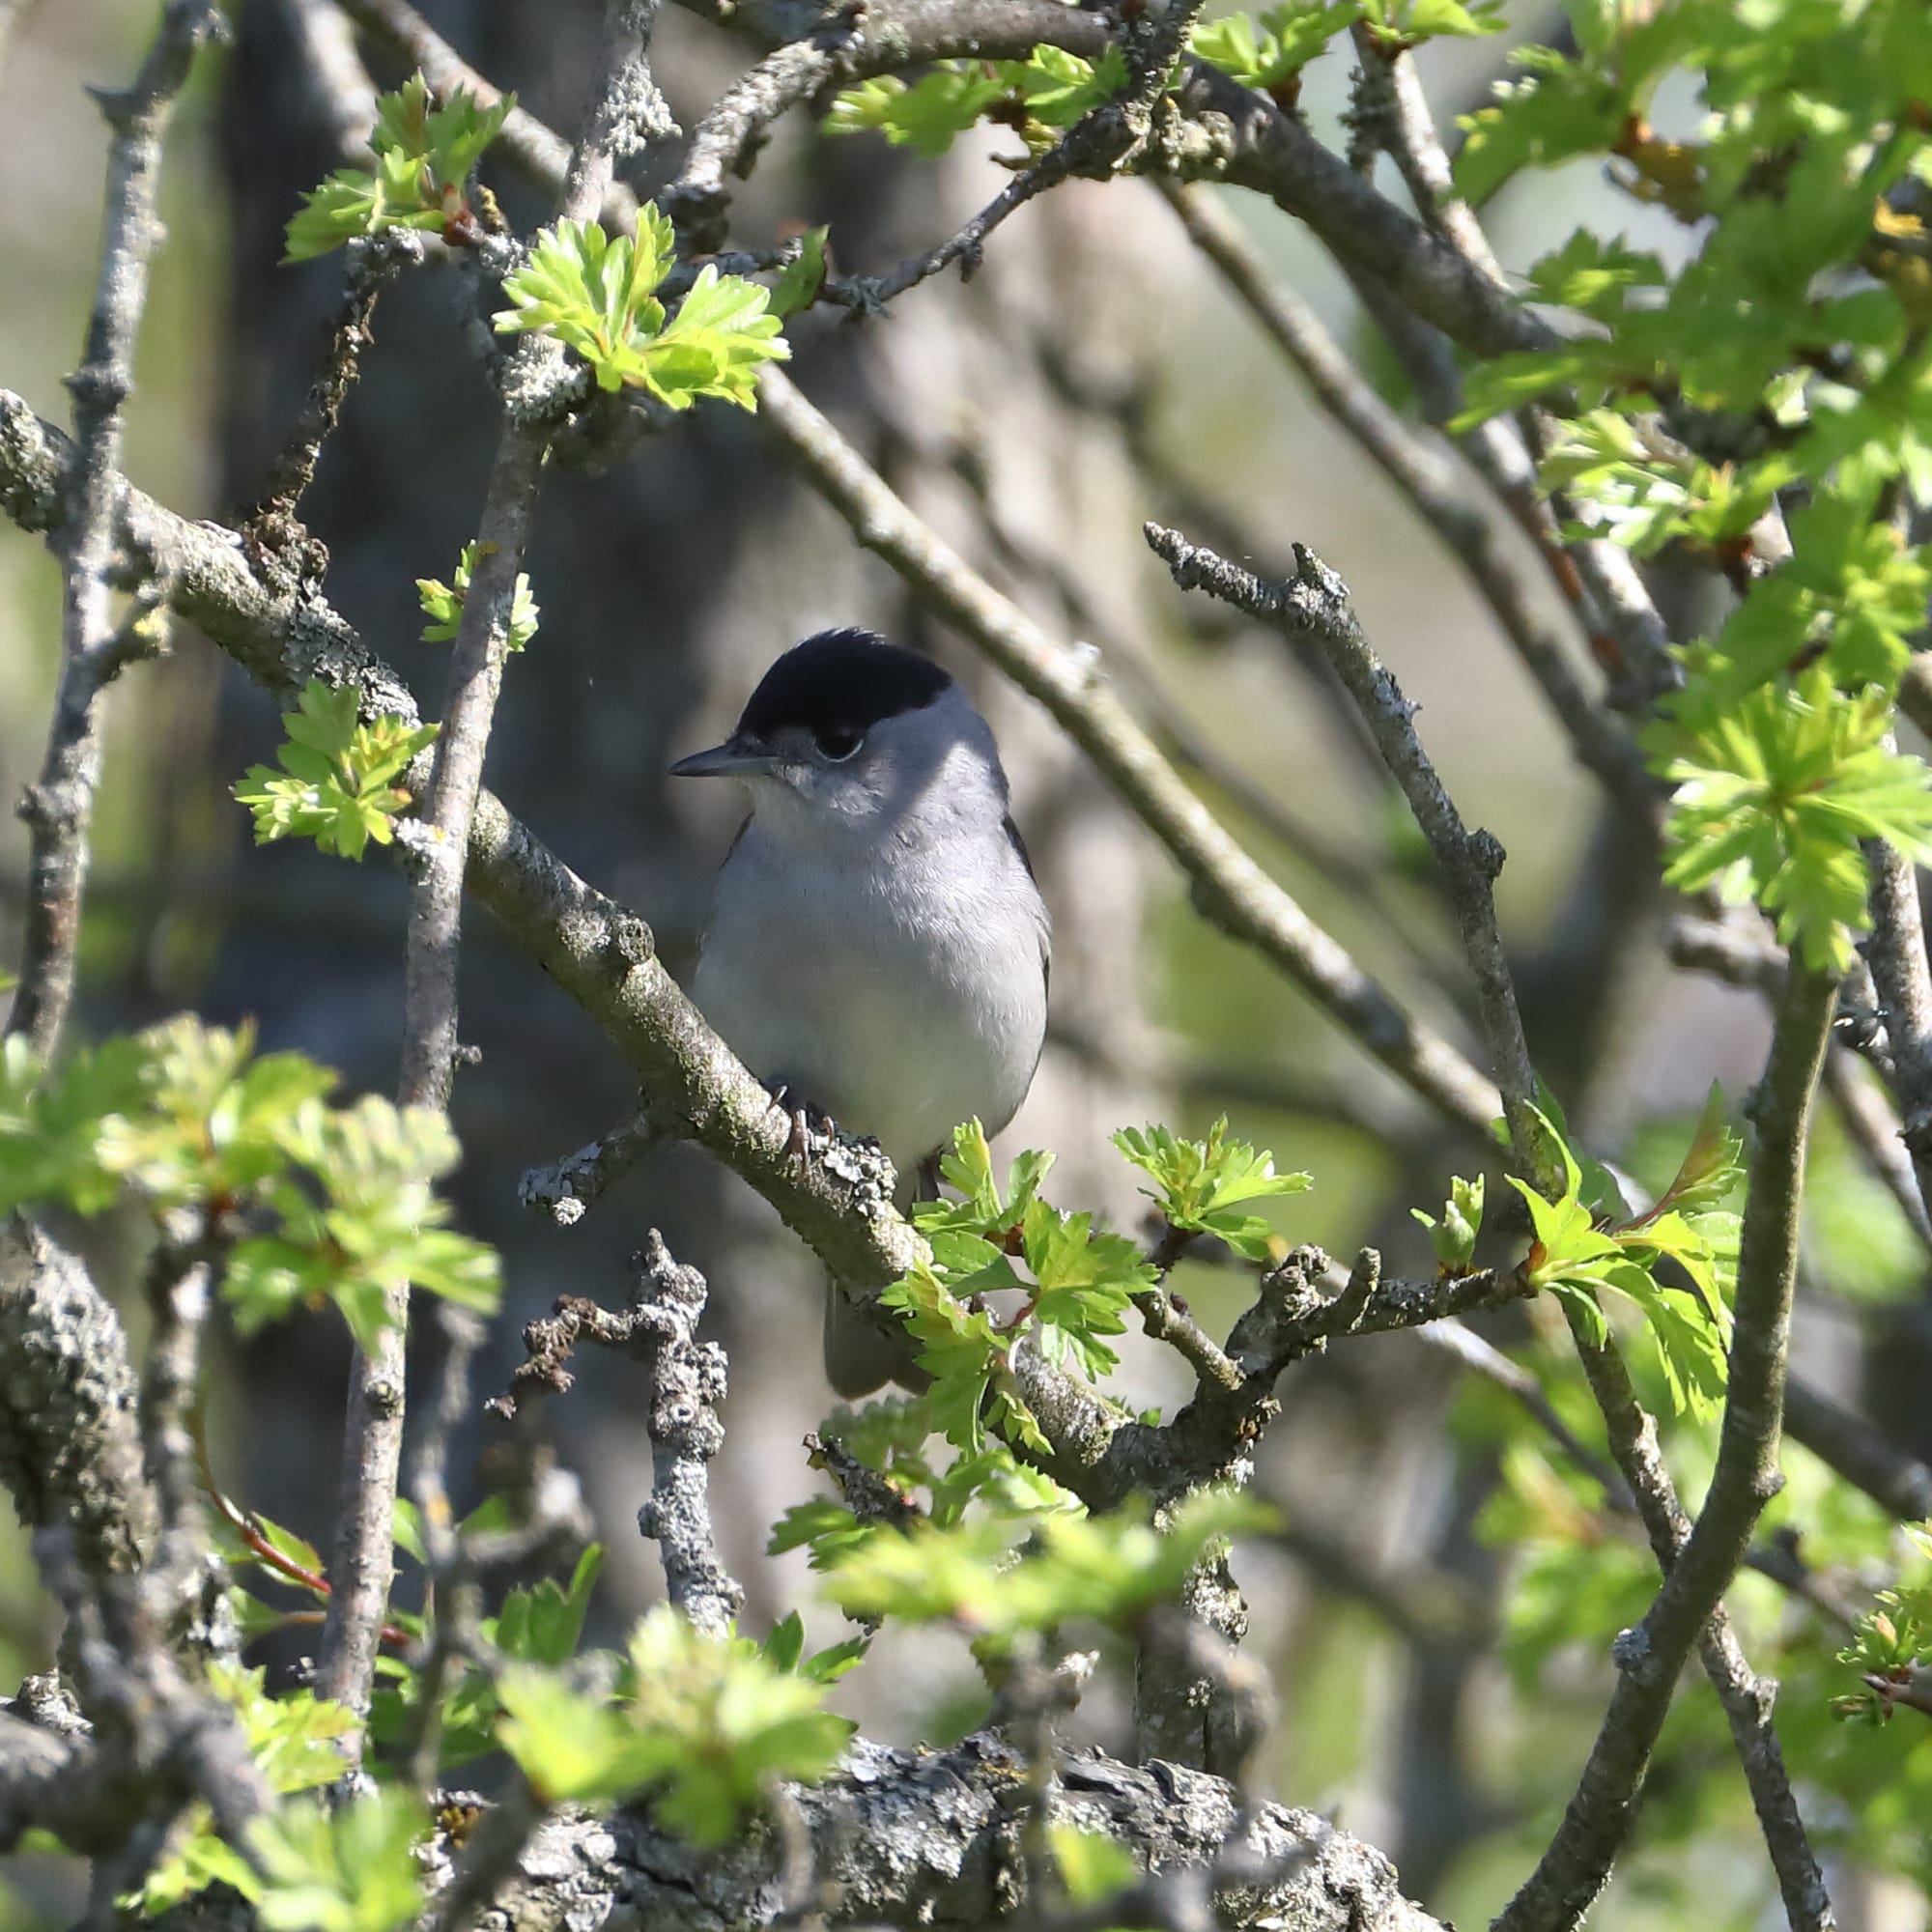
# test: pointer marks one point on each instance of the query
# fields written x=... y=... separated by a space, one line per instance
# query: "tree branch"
x=1747 y=1697
x=931 y=1839
x=59 y=807
x=1895 y=952
x=820 y=52
x=438 y=844
x=1315 y=603
x=687 y=1383
x=1573 y=1868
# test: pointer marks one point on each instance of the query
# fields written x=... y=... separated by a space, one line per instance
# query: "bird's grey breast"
x=902 y=987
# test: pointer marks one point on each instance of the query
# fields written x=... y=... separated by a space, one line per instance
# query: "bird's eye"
x=837 y=742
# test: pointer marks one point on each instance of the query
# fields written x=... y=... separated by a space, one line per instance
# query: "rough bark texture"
x=70 y=1442
x=931 y=1839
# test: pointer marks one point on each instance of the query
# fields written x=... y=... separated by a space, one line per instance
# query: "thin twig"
x=59 y=806
x=567 y=1187
x=1429 y=479
x=1895 y=952
x=440 y=843
x=1575 y=1866
x=1315 y=603
x=1873 y=1128
x=1747 y=1699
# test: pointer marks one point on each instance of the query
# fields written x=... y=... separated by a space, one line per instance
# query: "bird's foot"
x=810 y=1122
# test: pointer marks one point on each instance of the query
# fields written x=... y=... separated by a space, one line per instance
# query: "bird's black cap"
x=840 y=681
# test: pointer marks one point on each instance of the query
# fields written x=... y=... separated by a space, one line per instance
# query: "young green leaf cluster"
x=1774 y=795
x=594 y=293
x=1269 y=50
x=1198 y=1186
x=442 y=603
x=1891 y=1643
x=1803 y=312
x=336 y=782
x=1000 y=1577
x=1044 y=94
x=295 y=1740
x=1454 y=1237
x=1082 y=1284
x=1039 y=98
x=538 y=1625
x=1676 y=1263
x=704 y=1724
x=1079 y=1283
x=893 y=1439
x=700 y=1724
x=424 y=155
x=1401 y=24
x=187 y=1116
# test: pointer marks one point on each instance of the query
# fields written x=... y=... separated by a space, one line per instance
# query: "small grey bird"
x=877 y=943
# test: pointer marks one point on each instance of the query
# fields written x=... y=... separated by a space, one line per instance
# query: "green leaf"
x=1772 y=798
x=544 y=1624
x=368 y=1225
x=1265 y=49
x=442 y=603
x=425 y=156
x=961 y=1350
x=1564 y=108
x=335 y=782
x=706 y=1725
x=930 y=115
x=998 y=1579
x=181 y=1114
x=352 y=1868
x=1454 y=1237
x=800 y=279
x=818 y=1524
x=1198 y=1184
x=1405 y=23
x=296 y=1743
x=1577 y=1255
x=1091 y=1866
x=1059 y=87
x=1084 y=1284
x=594 y=293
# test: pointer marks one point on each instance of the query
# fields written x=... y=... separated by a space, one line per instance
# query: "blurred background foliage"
x=1439 y=1609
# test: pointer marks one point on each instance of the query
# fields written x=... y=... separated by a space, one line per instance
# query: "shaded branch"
x=1573 y=1868
x=1747 y=1699
x=59 y=806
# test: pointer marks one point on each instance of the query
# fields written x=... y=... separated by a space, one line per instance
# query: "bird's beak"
x=734 y=758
